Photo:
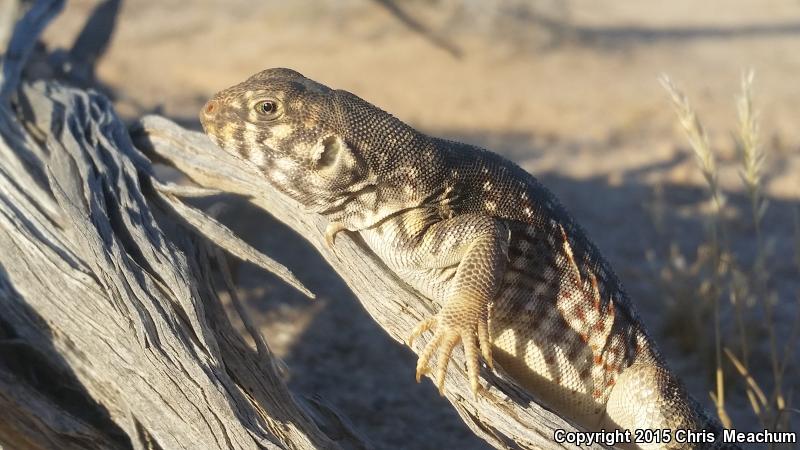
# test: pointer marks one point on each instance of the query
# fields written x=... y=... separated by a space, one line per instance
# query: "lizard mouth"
x=214 y=120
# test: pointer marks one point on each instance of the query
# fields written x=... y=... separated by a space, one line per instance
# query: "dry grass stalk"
x=752 y=159
x=698 y=139
x=726 y=275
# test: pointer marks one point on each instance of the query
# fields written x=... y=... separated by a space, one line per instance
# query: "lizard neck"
x=406 y=169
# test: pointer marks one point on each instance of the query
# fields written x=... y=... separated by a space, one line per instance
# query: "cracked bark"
x=505 y=415
x=112 y=334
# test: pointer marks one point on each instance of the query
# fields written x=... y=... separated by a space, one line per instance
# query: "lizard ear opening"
x=334 y=159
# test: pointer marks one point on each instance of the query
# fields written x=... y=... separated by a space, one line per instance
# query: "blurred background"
x=567 y=89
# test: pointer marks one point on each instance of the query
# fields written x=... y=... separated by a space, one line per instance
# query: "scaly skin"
x=518 y=280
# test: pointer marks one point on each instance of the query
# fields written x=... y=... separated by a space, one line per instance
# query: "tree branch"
x=112 y=334
x=504 y=414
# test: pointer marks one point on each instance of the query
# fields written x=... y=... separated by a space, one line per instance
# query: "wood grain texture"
x=103 y=287
x=504 y=415
x=112 y=333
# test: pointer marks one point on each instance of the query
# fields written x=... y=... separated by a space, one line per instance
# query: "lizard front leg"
x=477 y=246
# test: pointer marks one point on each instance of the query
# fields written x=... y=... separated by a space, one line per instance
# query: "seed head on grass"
x=751 y=153
x=698 y=140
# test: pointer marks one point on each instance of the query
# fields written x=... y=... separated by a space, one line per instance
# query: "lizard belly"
x=537 y=347
x=533 y=338
x=430 y=282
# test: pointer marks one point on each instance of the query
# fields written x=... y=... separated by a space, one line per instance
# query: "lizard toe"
x=425 y=356
x=447 y=344
x=423 y=326
x=471 y=355
x=485 y=343
x=331 y=231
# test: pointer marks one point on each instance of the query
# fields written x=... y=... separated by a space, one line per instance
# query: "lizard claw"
x=331 y=231
x=423 y=326
x=445 y=338
x=422 y=362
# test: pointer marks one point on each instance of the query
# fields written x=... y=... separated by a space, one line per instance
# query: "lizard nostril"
x=210 y=107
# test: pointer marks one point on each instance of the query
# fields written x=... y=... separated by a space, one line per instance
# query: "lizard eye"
x=268 y=108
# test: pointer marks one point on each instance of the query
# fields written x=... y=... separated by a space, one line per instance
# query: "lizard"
x=518 y=280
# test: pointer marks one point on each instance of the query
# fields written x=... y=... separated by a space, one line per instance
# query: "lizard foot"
x=447 y=332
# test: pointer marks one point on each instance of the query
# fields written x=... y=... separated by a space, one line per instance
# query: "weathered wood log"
x=112 y=298
x=112 y=334
x=505 y=415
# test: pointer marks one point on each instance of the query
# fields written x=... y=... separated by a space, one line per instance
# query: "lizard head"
x=328 y=149
x=283 y=123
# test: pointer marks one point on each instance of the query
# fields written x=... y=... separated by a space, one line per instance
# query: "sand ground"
x=584 y=113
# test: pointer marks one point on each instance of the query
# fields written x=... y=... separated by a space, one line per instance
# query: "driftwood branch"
x=110 y=300
x=505 y=415
x=112 y=334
